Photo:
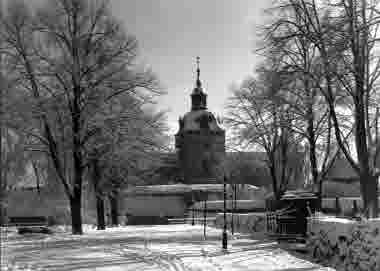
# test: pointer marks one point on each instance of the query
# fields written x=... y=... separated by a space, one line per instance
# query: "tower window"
x=206 y=166
x=204 y=122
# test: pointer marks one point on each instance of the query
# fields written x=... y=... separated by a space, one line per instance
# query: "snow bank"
x=345 y=244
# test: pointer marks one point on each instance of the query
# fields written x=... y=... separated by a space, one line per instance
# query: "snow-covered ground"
x=170 y=247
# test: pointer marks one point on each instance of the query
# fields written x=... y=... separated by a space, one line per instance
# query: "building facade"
x=200 y=141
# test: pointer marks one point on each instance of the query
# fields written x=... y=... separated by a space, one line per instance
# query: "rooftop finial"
x=198 y=72
x=198 y=97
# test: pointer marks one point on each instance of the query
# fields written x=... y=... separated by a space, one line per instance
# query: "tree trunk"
x=76 y=198
x=101 y=221
x=319 y=195
x=75 y=208
x=313 y=159
x=370 y=196
x=100 y=210
x=114 y=208
x=272 y=170
x=2 y=171
x=283 y=160
x=36 y=173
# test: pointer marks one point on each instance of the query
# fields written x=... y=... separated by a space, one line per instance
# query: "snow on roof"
x=175 y=189
x=193 y=119
x=240 y=204
x=298 y=194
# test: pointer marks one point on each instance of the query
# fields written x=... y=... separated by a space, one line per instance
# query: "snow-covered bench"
x=29 y=224
x=30 y=221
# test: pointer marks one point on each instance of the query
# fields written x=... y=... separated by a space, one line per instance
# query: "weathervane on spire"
x=198 y=97
x=198 y=72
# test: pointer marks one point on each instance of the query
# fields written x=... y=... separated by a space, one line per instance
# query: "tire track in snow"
x=162 y=259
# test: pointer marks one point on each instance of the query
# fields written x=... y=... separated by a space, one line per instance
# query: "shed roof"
x=175 y=189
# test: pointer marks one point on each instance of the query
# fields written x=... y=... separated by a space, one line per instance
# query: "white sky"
x=172 y=33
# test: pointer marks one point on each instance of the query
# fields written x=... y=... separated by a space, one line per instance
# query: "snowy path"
x=172 y=248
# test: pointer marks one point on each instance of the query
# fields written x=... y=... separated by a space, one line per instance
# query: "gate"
x=271 y=222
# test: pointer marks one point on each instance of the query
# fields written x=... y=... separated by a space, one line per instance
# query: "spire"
x=198 y=84
x=198 y=97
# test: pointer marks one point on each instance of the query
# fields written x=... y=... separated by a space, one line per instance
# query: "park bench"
x=29 y=224
x=27 y=221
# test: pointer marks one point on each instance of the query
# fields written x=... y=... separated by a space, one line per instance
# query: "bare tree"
x=345 y=34
x=260 y=119
x=247 y=168
x=71 y=57
x=126 y=135
x=312 y=122
x=2 y=186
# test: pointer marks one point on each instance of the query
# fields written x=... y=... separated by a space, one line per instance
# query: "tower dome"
x=200 y=141
x=199 y=118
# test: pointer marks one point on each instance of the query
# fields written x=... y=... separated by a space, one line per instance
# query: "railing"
x=282 y=222
x=271 y=222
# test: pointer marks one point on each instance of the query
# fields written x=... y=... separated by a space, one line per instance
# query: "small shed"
x=294 y=208
x=291 y=212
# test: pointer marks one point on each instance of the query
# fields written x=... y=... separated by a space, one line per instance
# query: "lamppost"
x=193 y=209
x=192 y=213
x=205 y=216
x=233 y=205
x=224 y=235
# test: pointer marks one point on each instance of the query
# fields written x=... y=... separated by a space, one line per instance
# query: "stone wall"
x=55 y=204
x=345 y=244
x=50 y=203
x=169 y=206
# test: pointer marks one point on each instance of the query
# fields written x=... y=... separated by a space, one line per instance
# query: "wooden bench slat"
x=20 y=221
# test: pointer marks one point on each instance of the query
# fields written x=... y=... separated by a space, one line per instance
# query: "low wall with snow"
x=253 y=223
x=49 y=203
x=346 y=244
x=213 y=208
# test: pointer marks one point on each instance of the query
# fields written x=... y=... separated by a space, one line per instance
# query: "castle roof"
x=200 y=119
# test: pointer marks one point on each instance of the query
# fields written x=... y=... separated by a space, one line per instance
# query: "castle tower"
x=200 y=141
